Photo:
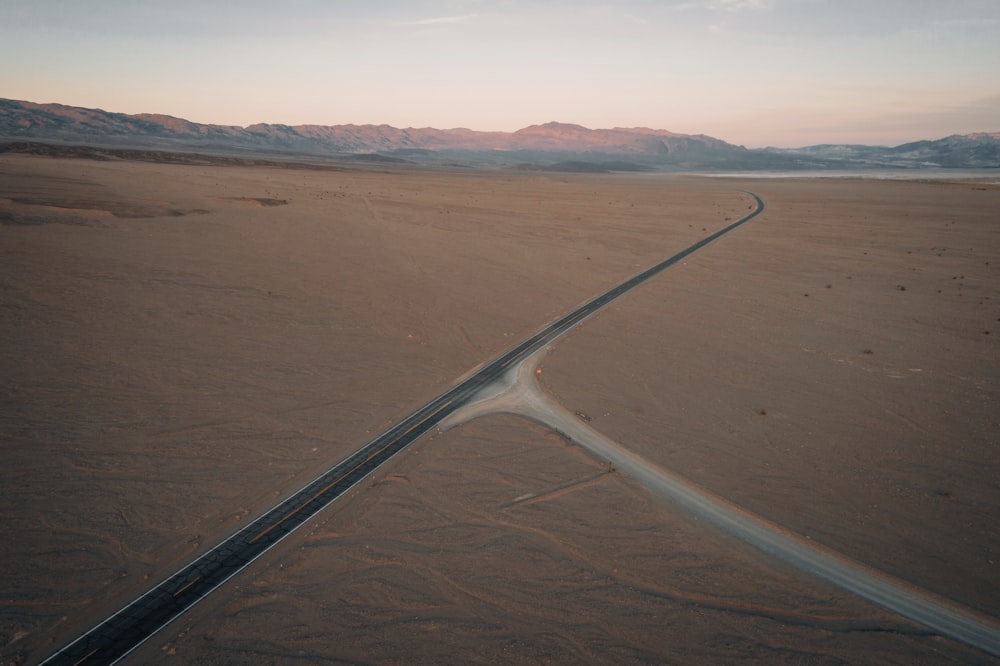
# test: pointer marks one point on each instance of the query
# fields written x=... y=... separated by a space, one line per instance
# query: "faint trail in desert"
x=517 y=392
x=550 y=493
x=662 y=589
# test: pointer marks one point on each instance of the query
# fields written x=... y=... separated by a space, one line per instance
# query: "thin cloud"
x=738 y=5
x=442 y=20
x=638 y=20
x=725 y=6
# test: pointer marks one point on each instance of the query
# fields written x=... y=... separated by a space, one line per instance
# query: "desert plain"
x=184 y=344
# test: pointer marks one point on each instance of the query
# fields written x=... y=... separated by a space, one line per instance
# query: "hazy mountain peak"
x=983 y=135
x=554 y=128
x=550 y=144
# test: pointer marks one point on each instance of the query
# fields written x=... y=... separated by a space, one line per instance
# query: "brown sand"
x=184 y=344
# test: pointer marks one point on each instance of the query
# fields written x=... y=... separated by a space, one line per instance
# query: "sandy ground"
x=185 y=344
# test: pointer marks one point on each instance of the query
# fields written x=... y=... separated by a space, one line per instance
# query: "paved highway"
x=118 y=635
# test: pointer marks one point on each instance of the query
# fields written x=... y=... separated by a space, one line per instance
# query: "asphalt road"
x=121 y=633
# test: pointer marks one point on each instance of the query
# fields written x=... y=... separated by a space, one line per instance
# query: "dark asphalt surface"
x=121 y=633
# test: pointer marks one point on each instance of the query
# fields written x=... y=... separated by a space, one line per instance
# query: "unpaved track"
x=518 y=393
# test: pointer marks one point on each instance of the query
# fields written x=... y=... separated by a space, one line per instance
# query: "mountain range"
x=553 y=145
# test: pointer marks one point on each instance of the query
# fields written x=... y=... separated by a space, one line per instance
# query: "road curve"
x=118 y=635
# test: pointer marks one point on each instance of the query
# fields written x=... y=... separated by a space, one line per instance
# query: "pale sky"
x=752 y=72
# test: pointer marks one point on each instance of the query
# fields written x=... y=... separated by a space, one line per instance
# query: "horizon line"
x=490 y=131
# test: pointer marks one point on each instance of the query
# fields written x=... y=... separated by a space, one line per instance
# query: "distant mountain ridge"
x=546 y=145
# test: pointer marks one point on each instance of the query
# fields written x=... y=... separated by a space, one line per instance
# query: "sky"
x=783 y=73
